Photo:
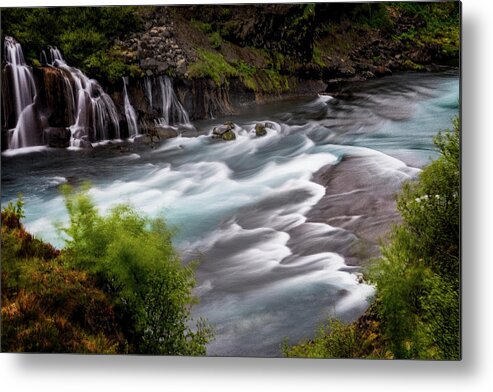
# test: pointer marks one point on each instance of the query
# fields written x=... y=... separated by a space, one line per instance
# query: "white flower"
x=418 y=199
x=437 y=196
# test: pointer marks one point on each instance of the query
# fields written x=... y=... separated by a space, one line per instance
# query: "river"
x=280 y=223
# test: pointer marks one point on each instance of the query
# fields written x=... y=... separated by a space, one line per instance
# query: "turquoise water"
x=240 y=206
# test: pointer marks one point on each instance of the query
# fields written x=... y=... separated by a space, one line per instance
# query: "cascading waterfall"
x=96 y=113
x=92 y=114
x=165 y=101
x=23 y=82
x=172 y=110
x=87 y=111
x=55 y=55
x=148 y=90
x=130 y=114
x=24 y=91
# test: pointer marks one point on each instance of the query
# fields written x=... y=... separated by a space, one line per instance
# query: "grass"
x=211 y=64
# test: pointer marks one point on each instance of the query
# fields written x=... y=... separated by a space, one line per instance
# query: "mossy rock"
x=260 y=130
x=225 y=131
x=229 y=135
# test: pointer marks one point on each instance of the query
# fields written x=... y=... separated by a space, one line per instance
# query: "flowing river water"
x=280 y=223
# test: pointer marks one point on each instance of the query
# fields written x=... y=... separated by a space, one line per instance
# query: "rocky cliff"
x=184 y=63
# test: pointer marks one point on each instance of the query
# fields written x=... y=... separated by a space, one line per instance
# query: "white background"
x=474 y=373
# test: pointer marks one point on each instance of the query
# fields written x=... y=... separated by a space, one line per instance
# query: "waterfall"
x=43 y=59
x=24 y=91
x=130 y=114
x=96 y=113
x=56 y=56
x=165 y=102
x=172 y=111
x=148 y=90
x=22 y=78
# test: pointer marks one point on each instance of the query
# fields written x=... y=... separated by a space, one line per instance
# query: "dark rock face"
x=202 y=98
x=55 y=95
x=286 y=28
x=57 y=137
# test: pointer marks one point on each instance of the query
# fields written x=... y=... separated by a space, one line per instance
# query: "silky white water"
x=130 y=114
x=24 y=91
x=241 y=208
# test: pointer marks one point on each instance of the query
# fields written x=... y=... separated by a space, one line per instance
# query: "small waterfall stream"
x=130 y=114
x=96 y=114
x=24 y=88
x=24 y=91
x=92 y=113
x=86 y=110
x=161 y=96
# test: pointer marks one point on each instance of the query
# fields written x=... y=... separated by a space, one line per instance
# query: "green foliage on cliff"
x=84 y=35
x=439 y=27
x=416 y=313
x=211 y=64
x=117 y=287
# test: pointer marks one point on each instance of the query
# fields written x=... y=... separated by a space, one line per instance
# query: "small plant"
x=15 y=208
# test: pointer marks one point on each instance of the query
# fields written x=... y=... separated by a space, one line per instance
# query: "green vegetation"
x=117 y=287
x=211 y=64
x=85 y=35
x=215 y=37
x=440 y=27
x=310 y=40
x=416 y=309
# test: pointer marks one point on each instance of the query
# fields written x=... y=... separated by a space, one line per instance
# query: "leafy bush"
x=417 y=278
x=117 y=287
x=336 y=340
x=46 y=306
x=85 y=35
x=416 y=313
x=211 y=65
x=440 y=27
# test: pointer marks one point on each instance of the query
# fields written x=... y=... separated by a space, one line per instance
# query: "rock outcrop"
x=225 y=132
x=155 y=48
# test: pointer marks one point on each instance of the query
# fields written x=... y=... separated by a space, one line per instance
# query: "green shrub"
x=79 y=32
x=117 y=287
x=133 y=257
x=335 y=340
x=417 y=278
x=440 y=27
x=215 y=39
x=47 y=306
x=416 y=312
x=211 y=64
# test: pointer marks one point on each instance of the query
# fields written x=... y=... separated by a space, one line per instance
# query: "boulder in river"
x=260 y=129
x=165 y=132
x=225 y=131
